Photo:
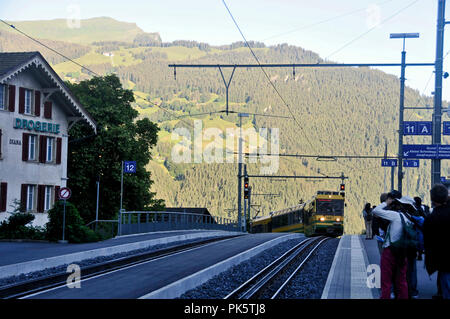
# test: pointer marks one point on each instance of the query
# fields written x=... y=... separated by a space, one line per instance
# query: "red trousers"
x=393 y=270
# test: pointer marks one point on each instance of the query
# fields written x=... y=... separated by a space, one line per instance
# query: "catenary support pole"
x=437 y=111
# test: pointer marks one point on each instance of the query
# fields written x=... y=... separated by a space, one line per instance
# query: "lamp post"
x=240 y=115
x=402 y=102
x=437 y=110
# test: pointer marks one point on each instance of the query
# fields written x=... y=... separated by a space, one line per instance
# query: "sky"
x=344 y=31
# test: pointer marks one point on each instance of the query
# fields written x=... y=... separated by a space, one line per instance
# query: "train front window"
x=330 y=207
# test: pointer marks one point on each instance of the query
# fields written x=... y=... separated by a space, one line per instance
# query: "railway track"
x=266 y=283
x=25 y=288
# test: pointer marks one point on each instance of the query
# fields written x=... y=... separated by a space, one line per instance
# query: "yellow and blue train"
x=322 y=215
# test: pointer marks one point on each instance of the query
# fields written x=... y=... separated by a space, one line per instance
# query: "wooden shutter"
x=42 y=149
x=21 y=100
x=56 y=193
x=58 y=150
x=12 y=98
x=25 y=141
x=37 y=103
x=3 y=192
x=23 y=197
x=48 y=110
x=41 y=198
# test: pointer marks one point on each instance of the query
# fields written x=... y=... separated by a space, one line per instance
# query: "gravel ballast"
x=314 y=273
x=311 y=280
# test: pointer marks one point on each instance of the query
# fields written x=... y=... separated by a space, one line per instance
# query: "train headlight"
x=338 y=219
x=322 y=219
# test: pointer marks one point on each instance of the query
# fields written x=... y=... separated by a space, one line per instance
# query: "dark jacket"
x=436 y=230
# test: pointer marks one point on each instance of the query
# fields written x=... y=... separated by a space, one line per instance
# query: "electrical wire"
x=82 y=66
x=371 y=29
x=267 y=76
x=323 y=21
x=47 y=47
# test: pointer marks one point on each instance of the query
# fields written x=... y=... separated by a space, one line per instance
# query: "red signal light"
x=342 y=187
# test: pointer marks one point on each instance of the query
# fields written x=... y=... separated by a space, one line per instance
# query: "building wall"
x=13 y=170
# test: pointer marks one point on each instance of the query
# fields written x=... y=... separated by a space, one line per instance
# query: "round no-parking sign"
x=64 y=193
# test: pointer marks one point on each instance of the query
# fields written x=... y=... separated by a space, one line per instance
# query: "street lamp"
x=402 y=101
x=240 y=115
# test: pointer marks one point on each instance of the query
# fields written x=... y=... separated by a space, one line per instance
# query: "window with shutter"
x=50 y=147
x=48 y=201
x=28 y=102
x=31 y=198
x=33 y=146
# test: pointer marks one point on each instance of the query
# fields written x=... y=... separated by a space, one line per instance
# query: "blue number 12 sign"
x=129 y=166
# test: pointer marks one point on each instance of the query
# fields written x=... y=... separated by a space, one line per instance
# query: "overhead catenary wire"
x=80 y=65
x=324 y=21
x=371 y=29
x=266 y=75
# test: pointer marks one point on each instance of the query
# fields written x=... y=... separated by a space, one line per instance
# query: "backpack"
x=426 y=210
x=369 y=215
x=418 y=227
x=407 y=242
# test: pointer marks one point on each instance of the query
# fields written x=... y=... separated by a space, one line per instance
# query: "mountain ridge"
x=344 y=111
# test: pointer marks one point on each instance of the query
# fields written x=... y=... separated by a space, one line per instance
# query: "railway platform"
x=25 y=257
x=355 y=273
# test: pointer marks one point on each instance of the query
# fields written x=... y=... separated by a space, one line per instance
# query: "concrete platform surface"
x=16 y=252
x=353 y=274
x=168 y=276
x=25 y=257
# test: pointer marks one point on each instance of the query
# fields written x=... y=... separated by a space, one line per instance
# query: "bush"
x=75 y=231
x=15 y=227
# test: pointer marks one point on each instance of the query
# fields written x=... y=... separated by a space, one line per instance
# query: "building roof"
x=12 y=63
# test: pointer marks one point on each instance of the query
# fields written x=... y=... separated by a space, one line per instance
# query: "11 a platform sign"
x=417 y=128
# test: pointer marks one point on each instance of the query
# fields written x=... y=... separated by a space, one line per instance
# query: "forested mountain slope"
x=338 y=111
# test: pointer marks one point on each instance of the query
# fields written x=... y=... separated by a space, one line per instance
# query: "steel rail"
x=262 y=279
x=297 y=269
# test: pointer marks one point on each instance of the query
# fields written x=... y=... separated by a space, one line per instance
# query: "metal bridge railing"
x=107 y=228
x=136 y=222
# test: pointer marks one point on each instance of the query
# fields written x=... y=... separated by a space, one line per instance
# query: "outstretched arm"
x=379 y=211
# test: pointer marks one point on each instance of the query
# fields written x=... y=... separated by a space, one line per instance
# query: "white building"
x=36 y=111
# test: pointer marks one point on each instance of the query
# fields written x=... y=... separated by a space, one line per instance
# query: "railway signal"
x=342 y=187
x=246 y=187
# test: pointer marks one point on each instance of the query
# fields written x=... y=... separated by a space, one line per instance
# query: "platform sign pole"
x=96 y=206
x=64 y=220
x=64 y=194
x=121 y=187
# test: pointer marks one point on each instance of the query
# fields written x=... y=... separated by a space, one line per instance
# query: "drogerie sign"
x=38 y=126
